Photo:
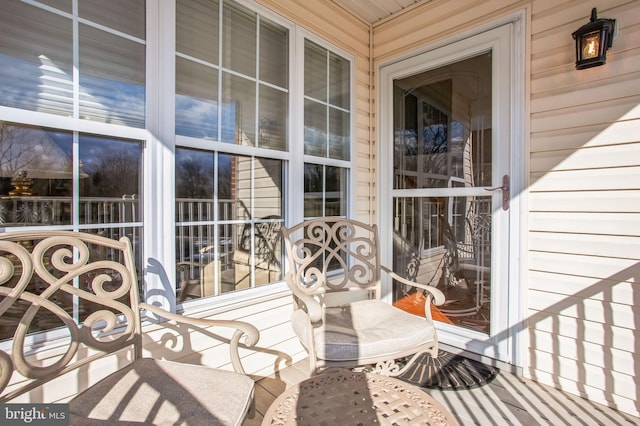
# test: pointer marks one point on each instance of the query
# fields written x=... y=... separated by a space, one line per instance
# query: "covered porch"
x=197 y=128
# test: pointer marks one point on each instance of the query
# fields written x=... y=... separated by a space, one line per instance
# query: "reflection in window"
x=38 y=174
x=36 y=60
x=327 y=130
x=217 y=101
x=325 y=191
x=196 y=100
x=197 y=29
x=315 y=129
x=442 y=139
x=229 y=210
x=446 y=243
x=239 y=114
x=112 y=78
x=37 y=57
x=111 y=181
x=326 y=107
x=437 y=143
x=239 y=36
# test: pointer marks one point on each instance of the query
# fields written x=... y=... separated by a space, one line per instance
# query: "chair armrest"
x=436 y=295
x=250 y=333
x=313 y=308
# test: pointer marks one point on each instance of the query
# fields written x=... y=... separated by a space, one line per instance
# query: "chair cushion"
x=150 y=391
x=362 y=329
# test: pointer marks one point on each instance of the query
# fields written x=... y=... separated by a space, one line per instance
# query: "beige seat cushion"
x=165 y=393
x=362 y=329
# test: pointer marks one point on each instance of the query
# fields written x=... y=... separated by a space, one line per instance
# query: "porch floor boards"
x=507 y=400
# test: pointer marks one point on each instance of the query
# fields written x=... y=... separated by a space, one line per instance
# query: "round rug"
x=448 y=372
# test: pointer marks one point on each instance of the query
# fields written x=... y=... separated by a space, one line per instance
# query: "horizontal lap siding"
x=272 y=319
x=584 y=188
x=586 y=244
x=584 y=220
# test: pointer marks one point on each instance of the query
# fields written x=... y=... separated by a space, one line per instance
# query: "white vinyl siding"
x=584 y=212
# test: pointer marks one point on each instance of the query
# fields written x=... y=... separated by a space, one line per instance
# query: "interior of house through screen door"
x=449 y=185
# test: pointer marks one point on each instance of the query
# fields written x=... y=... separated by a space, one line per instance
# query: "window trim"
x=296 y=207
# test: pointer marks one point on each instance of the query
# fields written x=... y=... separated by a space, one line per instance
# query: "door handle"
x=506 y=189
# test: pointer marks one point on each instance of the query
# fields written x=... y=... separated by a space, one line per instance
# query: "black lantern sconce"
x=593 y=40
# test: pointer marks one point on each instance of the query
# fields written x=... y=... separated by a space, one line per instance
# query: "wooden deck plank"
x=539 y=408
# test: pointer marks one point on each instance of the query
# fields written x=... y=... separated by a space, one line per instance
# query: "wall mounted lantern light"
x=593 y=40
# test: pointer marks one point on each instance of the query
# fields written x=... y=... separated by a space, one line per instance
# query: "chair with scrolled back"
x=265 y=256
x=335 y=276
x=83 y=288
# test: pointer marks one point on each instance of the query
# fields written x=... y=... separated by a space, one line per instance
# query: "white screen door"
x=445 y=167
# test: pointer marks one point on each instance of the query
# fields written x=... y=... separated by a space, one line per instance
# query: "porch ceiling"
x=373 y=11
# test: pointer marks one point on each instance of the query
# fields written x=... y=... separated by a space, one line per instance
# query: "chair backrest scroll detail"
x=83 y=287
x=331 y=254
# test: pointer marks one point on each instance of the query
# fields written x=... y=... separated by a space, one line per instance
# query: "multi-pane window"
x=60 y=178
x=84 y=64
x=228 y=211
x=70 y=180
x=232 y=87
x=89 y=64
x=325 y=190
x=326 y=131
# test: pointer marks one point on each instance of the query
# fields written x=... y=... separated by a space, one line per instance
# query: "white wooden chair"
x=85 y=288
x=334 y=274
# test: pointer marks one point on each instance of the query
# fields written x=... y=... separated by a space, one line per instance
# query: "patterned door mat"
x=448 y=372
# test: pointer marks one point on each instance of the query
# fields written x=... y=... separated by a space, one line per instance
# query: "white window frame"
x=296 y=211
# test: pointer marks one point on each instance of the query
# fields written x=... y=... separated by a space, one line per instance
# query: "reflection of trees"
x=434 y=161
x=435 y=138
x=192 y=180
x=32 y=152
x=24 y=149
x=224 y=180
x=312 y=178
x=114 y=174
x=10 y=138
x=436 y=165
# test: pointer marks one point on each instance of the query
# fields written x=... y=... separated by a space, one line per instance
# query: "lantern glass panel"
x=591 y=45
